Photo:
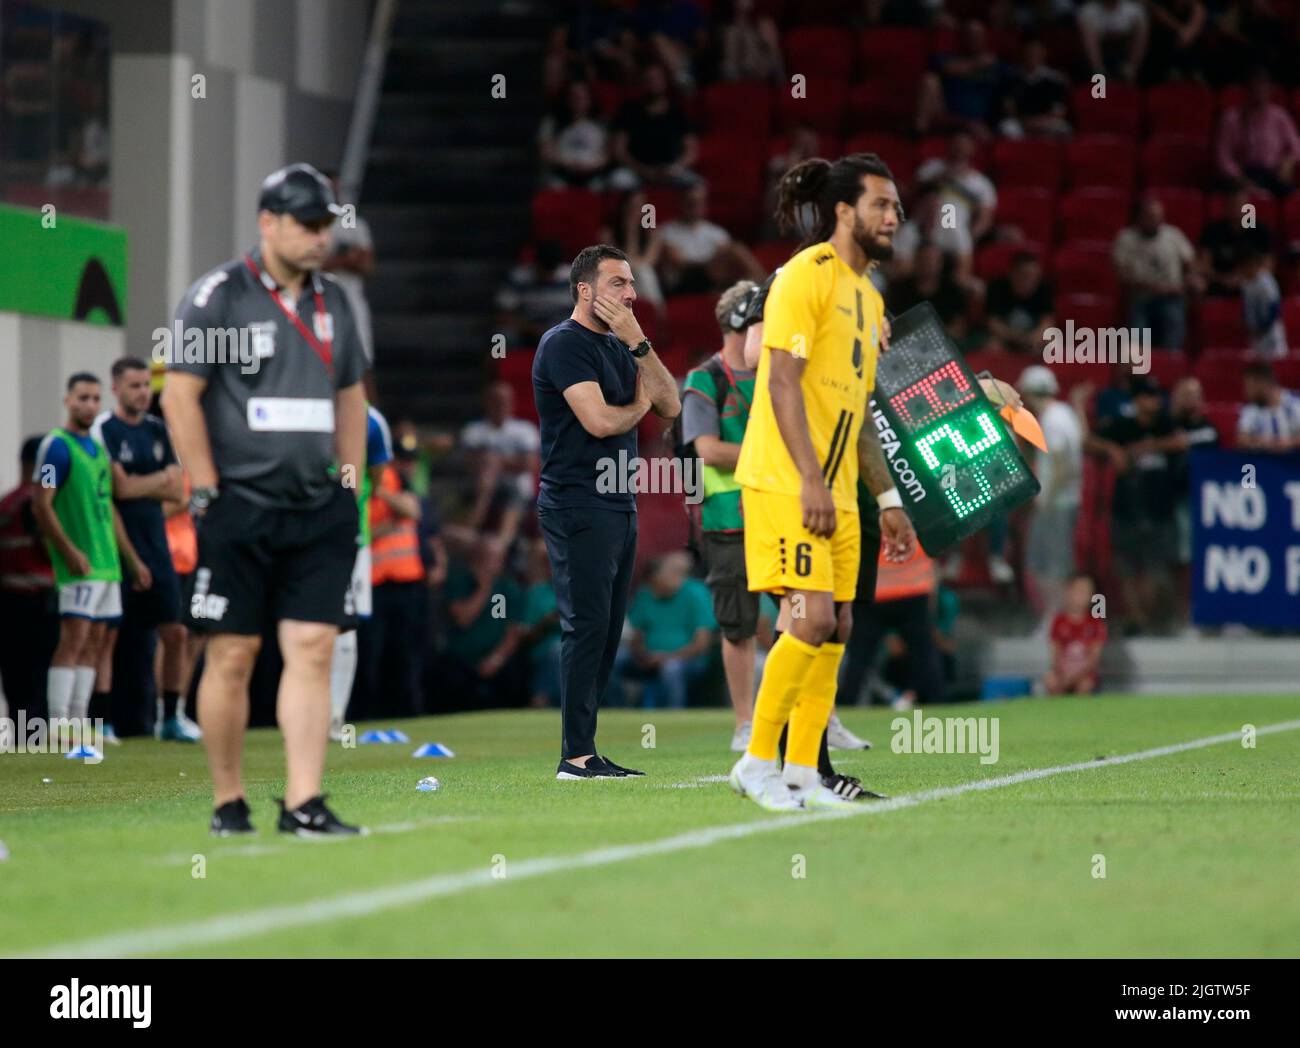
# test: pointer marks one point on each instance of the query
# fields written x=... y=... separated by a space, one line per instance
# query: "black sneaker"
x=595 y=768
x=231 y=818
x=617 y=767
x=314 y=819
x=849 y=788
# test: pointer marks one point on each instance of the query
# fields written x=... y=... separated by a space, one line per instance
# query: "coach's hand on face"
x=620 y=318
x=818 y=507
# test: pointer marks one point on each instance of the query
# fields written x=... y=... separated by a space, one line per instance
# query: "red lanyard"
x=734 y=384
x=324 y=349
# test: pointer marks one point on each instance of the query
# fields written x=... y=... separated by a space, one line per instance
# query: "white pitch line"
x=230 y=927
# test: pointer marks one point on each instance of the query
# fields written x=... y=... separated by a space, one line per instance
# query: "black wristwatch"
x=202 y=498
x=642 y=348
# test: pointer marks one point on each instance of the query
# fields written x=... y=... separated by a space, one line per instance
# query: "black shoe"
x=314 y=819
x=616 y=767
x=596 y=768
x=231 y=818
x=849 y=788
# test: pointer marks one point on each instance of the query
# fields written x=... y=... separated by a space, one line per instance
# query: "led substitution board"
x=954 y=459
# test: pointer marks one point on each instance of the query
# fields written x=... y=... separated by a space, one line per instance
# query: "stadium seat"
x=1291 y=321
x=1221 y=324
x=570 y=216
x=1184 y=208
x=691 y=322
x=739 y=106
x=1032 y=211
x=1232 y=95
x=1087 y=309
x=1180 y=108
x=897 y=152
x=1084 y=267
x=828 y=145
x=937 y=146
x=773 y=253
x=1094 y=214
x=1288 y=370
x=1291 y=218
x=608 y=97
x=1220 y=375
x=1119 y=113
x=1224 y=417
x=819 y=13
x=1028 y=162
x=1108 y=161
x=822 y=107
x=1174 y=160
x=667 y=202
x=1267 y=211
x=821 y=49
x=733 y=168
x=893 y=55
x=516 y=370
x=993 y=260
x=1168 y=366
x=879 y=108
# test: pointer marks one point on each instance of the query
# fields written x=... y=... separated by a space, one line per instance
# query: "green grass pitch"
x=1200 y=847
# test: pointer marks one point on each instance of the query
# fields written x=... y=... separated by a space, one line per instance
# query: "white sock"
x=59 y=681
x=800 y=777
x=343 y=671
x=751 y=765
x=81 y=691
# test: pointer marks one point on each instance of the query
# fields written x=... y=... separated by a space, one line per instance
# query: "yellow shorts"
x=781 y=554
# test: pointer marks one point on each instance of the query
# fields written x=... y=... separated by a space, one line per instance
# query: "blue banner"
x=1245 y=510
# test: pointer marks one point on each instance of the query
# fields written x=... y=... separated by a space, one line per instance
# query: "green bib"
x=363 y=507
x=84 y=506
x=720 y=510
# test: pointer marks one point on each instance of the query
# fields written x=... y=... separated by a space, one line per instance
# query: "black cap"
x=299 y=190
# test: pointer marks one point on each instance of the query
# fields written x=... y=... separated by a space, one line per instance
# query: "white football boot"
x=761 y=782
x=805 y=785
x=839 y=737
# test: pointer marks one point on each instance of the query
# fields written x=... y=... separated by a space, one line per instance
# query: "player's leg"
x=74 y=629
x=343 y=664
x=307 y=648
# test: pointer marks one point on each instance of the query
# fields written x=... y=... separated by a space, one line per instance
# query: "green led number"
x=990 y=434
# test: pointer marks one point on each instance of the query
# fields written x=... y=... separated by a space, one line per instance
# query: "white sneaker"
x=1000 y=571
x=839 y=737
x=805 y=785
x=110 y=736
x=740 y=740
x=762 y=784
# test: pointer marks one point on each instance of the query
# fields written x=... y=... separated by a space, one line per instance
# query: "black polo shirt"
x=269 y=402
x=571 y=457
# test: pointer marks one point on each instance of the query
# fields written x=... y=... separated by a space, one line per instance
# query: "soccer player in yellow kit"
x=799 y=464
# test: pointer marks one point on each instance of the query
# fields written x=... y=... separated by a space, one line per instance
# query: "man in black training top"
x=595 y=376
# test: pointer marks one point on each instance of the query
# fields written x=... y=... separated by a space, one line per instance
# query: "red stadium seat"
x=1168 y=366
x=1224 y=417
x=897 y=152
x=740 y=107
x=1180 y=109
x=937 y=146
x=896 y=56
x=666 y=200
x=1184 y=208
x=822 y=107
x=1084 y=267
x=1108 y=161
x=570 y=216
x=772 y=254
x=1174 y=160
x=1267 y=211
x=1291 y=321
x=1094 y=214
x=1291 y=218
x=1288 y=372
x=1032 y=211
x=820 y=12
x=1232 y=95
x=1028 y=162
x=691 y=322
x=516 y=370
x=1221 y=323
x=879 y=107
x=1220 y=378
x=608 y=97
x=1087 y=310
x=733 y=168
x=1119 y=113
x=828 y=146
x=821 y=49
x=993 y=260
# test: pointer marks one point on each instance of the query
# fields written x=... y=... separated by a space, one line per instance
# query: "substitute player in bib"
x=73 y=504
x=823 y=322
x=358 y=603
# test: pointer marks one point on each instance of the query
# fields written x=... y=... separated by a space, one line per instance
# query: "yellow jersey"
x=819 y=309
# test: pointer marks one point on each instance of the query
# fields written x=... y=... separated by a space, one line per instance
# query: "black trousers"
x=391 y=647
x=911 y=618
x=27 y=643
x=592 y=552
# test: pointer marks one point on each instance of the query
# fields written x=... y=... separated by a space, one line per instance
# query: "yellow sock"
x=787 y=667
x=813 y=709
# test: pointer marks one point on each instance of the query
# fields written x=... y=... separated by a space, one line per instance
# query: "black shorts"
x=160 y=604
x=258 y=566
x=734 y=606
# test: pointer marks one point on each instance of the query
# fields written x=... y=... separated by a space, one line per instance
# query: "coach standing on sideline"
x=595 y=376
x=277 y=538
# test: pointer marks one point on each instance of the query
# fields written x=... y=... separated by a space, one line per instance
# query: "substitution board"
x=954 y=459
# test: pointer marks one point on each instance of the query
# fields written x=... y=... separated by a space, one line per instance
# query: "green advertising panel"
x=63 y=267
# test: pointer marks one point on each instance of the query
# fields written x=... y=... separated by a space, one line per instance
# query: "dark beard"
x=874 y=251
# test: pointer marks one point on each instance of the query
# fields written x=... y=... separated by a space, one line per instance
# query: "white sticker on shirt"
x=290 y=415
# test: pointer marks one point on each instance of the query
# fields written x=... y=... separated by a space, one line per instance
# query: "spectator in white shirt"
x=504 y=455
x=1114 y=35
x=966 y=202
x=693 y=254
x=573 y=142
x=1156 y=265
x=1270 y=418
x=1049 y=553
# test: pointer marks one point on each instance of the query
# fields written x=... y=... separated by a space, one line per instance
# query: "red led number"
x=912 y=404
